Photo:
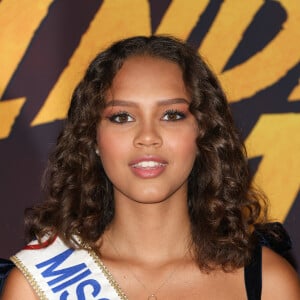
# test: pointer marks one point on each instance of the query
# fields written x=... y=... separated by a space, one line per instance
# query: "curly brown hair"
x=223 y=205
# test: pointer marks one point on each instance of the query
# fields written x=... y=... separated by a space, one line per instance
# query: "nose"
x=147 y=135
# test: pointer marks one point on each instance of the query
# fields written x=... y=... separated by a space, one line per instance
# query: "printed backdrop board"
x=45 y=46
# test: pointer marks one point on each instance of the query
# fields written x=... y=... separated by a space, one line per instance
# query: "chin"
x=150 y=201
x=151 y=198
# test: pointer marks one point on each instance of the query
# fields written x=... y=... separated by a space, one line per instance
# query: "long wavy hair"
x=223 y=205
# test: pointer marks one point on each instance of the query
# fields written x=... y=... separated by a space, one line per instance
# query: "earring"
x=97 y=152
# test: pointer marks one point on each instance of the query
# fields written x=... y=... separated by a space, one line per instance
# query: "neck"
x=150 y=232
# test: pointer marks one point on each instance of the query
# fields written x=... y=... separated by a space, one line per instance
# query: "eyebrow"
x=160 y=102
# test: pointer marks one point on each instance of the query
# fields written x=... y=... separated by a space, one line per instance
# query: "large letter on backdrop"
x=20 y=20
x=108 y=25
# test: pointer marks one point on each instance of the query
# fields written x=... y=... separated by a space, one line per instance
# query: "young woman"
x=149 y=196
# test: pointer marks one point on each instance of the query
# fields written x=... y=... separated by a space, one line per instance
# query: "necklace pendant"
x=152 y=297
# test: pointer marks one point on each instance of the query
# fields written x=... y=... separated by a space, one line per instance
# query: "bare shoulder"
x=280 y=280
x=17 y=287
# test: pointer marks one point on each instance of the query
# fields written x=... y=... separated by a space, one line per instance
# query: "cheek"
x=184 y=142
x=111 y=145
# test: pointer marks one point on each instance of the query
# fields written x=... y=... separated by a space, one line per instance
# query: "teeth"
x=148 y=164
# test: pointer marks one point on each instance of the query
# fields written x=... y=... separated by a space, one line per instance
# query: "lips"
x=148 y=167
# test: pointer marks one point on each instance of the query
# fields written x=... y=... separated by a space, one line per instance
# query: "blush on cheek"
x=112 y=146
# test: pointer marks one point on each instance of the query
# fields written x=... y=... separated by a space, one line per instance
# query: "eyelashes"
x=122 y=117
x=173 y=115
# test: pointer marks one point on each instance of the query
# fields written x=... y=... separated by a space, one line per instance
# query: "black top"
x=253 y=275
x=5 y=267
x=271 y=235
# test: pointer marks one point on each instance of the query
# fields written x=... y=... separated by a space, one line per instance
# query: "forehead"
x=148 y=64
x=149 y=76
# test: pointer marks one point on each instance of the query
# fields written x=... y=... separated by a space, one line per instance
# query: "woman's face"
x=146 y=136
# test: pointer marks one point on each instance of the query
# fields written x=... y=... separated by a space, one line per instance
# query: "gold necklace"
x=152 y=295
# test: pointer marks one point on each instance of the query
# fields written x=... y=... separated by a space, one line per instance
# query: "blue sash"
x=57 y=272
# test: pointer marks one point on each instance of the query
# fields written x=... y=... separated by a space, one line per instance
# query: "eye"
x=121 y=117
x=173 y=115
